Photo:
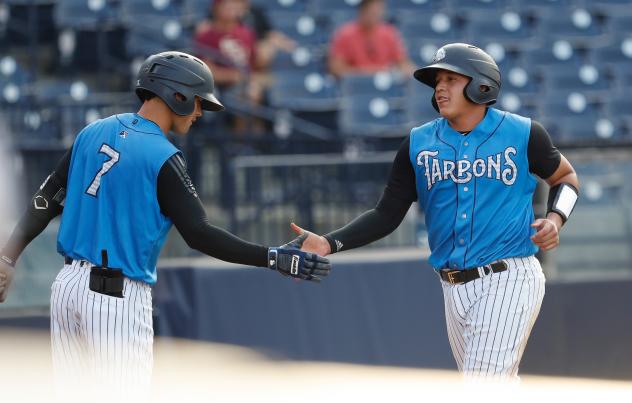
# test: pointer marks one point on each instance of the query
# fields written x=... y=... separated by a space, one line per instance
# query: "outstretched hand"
x=312 y=242
x=289 y=260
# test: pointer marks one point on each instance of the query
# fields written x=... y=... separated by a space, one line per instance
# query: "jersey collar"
x=480 y=133
x=139 y=124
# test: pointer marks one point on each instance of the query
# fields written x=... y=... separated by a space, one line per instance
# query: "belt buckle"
x=451 y=276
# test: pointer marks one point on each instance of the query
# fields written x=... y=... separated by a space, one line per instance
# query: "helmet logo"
x=439 y=55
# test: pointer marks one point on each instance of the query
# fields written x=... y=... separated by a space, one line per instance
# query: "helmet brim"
x=427 y=75
x=211 y=103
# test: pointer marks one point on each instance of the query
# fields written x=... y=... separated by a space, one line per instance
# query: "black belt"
x=467 y=275
x=103 y=281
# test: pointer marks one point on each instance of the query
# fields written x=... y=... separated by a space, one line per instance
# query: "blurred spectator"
x=269 y=40
x=368 y=44
x=226 y=45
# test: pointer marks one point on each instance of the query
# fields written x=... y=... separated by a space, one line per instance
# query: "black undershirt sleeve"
x=398 y=195
x=179 y=201
x=544 y=157
x=46 y=204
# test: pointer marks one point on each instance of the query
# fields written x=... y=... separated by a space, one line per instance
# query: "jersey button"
x=464 y=216
x=465 y=156
x=465 y=189
x=461 y=241
x=466 y=144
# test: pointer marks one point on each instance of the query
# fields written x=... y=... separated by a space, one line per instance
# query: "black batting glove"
x=289 y=260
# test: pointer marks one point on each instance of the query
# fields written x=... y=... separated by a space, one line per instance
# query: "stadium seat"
x=302 y=28
x=612 y=7
x=418 y=6
x=587 y=79
x=516 y=103
x=84 y=14
x=419 y=106
x=440 y=26
x=619 y=51
x=567 y=104
x=133 y=11
x=619 y=24
x=304 y=91
x=282 y=5
x=329 y=6
x=421 y=50
x=157 y=35
x=300 y=59
x=382 y=84
x=559 y=52
x=543 y=7
x=619 y=106
x=372 y=116
x=508 y=28
x=482 y=6
x=584 y=130
x=578 y=26
x=12 y=72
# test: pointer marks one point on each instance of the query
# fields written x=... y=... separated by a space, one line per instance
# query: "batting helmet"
x=469 y=61
x=168 y=73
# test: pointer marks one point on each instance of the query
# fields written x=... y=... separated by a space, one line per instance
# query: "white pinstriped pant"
x=97 y=340
x=489 y=319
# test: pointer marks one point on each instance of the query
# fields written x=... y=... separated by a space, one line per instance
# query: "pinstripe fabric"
x=96 y=337
x=489 y=319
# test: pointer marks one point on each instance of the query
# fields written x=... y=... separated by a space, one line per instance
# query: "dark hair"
x=365 y=3
x=145 y=95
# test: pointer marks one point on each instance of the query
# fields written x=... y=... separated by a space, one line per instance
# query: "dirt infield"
x=190 y=371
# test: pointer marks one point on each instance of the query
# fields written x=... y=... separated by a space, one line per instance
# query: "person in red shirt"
x=368 y=44
x=226 y=45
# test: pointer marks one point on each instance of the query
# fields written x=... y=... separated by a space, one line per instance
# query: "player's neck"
x=466 y=122
x=158 y=112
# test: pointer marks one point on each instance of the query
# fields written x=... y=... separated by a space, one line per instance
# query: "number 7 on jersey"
x=107 y=165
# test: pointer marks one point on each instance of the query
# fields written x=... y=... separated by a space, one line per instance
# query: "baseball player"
x=119 y=189
x=473 y=172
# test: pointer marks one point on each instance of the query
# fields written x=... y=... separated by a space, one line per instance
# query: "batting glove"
x=6 y=276
x=289 y=260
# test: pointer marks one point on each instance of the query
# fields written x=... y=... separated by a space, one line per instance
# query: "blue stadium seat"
x=516 y=103
x=619 y=24
x=157 y=35
x=329 y=6
x=540 y=7
x=612 y=7
x=133 y=11
x=560 y=52
x=619 y=51
x=519 y=80
x=382 y=84
x=559 y=105
x=421 y=50
x=419 y=105
x=420 y=6
x=302 y=28
x=473 y=6
x=12 y=72
x=622 y=76
x=300 y=59
x=372 y=116
x=619 y=106
x=440 y=26
x=282 y=5
x=578 y=130
x=84 y=14
x=578 y=26
x=508 y=28
x=304 y=91
x=587 y=79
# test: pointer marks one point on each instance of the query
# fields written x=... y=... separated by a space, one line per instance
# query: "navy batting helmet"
x=469 y=61
x=168 y=73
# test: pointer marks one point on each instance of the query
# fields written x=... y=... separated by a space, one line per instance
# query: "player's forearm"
x=45 y=205
x=221 y=244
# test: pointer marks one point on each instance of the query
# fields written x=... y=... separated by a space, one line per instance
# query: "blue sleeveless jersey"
x=111 y=199
x=475 y=190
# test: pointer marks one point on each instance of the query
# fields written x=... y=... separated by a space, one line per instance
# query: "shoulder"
x=346 y=31
x=426 y=127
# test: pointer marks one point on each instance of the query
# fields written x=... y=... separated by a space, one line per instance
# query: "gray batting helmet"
x=471 y=62
x=168 y=73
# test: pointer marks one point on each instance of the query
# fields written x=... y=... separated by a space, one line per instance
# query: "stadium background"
x=324 y=159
